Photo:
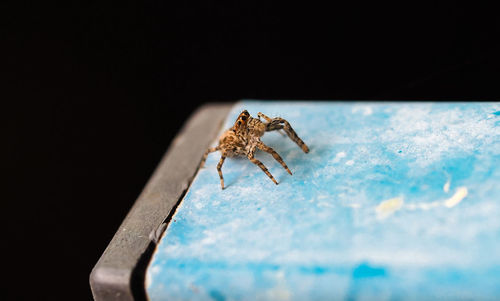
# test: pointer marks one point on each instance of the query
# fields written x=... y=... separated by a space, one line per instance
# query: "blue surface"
x=394 y=201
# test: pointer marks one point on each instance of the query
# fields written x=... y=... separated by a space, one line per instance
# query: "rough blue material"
x=394 y=201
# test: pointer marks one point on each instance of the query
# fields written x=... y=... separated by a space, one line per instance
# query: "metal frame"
x=119 y=273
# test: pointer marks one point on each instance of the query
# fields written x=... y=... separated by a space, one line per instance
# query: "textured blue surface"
x=394 y=201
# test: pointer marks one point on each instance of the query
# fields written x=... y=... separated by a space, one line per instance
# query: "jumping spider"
x=244 y=138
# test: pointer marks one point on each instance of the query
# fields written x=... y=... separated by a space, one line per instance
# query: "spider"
x=243 y=139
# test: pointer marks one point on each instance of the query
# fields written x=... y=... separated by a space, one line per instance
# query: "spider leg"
x=262 y=166
x=264 y=116
x=281 y=133
x=261 y=115
x=280 y=123
x=277 y=157
x=209 y=150
x=219 y=170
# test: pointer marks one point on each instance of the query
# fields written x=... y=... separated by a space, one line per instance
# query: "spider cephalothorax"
x=243 y=139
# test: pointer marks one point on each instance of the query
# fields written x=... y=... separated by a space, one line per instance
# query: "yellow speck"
x=446 y=187
x=387 y=207
x=456 y=198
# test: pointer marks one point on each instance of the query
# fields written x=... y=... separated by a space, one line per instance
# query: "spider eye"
x=239 y=121
x=243 y=118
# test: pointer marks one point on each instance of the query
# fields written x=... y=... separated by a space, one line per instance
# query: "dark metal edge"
x=119 y=273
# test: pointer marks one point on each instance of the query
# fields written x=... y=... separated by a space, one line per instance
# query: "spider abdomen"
x=233 y=144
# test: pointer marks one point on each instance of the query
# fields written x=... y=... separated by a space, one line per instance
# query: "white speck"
x=325 y=204
x=280 y=291
x=456 y=198
x=367 y=110
x=211 y=237
x=154 y=270
x=423 y=206
x=350 y=162
x=427 y=206
x=338 y=156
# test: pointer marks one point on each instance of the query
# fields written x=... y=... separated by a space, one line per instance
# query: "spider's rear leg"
x=281 y=133
x=280 y=123
x=277 y=157
x=260 y=114
x=219 y=170
x=262 y=166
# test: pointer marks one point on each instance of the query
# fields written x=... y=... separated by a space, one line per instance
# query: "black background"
x=94 y=91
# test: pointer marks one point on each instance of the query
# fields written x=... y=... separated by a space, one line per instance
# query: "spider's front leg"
x=219 y=170
x=258 y=163
x=278 y=123
x=261 y=115
x=209 y=150
x=219 y=166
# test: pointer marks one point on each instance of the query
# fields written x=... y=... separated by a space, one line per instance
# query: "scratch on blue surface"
x=317 y=270
x=364 y=270
x=317 y=234
x=217 y=296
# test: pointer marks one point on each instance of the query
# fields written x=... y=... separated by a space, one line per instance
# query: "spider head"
x=242 y=120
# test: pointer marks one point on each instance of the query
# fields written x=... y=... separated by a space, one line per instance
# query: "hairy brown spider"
x=244 y=138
